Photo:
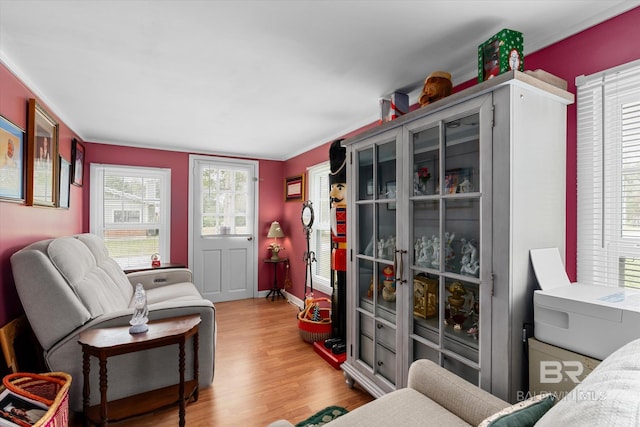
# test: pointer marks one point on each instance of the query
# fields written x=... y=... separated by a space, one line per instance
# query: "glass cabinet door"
x=446 y=264
x=375 y=254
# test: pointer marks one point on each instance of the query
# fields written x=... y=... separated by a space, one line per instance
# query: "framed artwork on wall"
x=77 y=160
x=11 y=161
x=42 y=156
x=65 y=175
x=294 y=188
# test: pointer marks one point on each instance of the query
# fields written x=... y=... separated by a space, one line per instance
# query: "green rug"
x=322 y=417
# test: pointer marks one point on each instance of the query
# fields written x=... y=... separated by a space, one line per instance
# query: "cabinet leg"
x=348 y=380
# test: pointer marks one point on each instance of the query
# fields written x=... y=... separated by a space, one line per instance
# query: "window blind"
x=608 y=177
x=321 y=236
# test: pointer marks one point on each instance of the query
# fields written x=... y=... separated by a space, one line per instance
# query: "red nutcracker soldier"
x=338 y=195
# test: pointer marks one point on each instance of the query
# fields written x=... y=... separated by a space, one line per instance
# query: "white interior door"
x=223 y=215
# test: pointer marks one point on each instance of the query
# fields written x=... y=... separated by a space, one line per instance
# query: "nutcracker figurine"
x=338 y=195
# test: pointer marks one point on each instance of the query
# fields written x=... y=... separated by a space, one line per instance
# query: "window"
x=130 y=210
x=225 y=194
x=609 y=177
x=320 y=241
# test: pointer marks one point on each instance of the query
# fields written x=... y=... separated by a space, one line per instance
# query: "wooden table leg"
x=196 y=366
x=86 y=366
x=181 y=387
x=103 y=391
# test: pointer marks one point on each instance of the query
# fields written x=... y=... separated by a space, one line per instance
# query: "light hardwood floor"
x=264 y=371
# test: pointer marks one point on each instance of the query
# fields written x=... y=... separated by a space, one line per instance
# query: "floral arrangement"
x=275 y=247
x=424 y=174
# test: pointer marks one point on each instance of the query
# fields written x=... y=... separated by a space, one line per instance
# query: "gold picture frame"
x=294 y=188
x=42 y=157
x=425 y=297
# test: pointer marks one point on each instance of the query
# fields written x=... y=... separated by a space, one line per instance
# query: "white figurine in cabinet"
x=381 y=248
x=470 y=264
x=417 y=247
x=465 y=186
x=386 y=248
x=422 y=247
x=435 y=254
x=391 y=246
x=449 y=254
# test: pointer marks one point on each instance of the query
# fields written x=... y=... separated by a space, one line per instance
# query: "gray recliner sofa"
x=68 y=285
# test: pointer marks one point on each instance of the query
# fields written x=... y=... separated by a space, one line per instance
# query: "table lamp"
x=274 y=232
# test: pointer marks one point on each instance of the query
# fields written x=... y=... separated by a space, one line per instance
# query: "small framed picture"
x=65 y=175
x=42 y=164
x=458 y=180
x=77 y=159
x=11 y=161
x=390 y=190
x=390 y=193
x=294 y=188
x=370 y=187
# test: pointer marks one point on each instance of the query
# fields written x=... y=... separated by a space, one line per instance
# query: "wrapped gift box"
x=502 y=52
x=399 y=104
x=393 y=108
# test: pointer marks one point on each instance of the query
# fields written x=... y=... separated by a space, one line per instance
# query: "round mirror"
x=307 y=214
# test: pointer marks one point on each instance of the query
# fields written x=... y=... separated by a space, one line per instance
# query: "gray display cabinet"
x=439 y=267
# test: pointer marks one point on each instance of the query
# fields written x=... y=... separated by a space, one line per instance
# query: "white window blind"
x=320 y=241
x=608 y=156
x=130 y=209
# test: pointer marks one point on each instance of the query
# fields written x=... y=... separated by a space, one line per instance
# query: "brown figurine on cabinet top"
x=437 y=86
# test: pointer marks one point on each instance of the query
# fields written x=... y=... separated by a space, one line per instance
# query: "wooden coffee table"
x=106 y=342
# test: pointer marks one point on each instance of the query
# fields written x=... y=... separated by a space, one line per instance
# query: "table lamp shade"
x=275 y=230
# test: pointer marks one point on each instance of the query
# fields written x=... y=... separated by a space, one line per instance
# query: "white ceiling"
x=263 y=79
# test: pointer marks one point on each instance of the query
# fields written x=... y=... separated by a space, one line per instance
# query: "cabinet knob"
x=380 y=326
x=380 y=363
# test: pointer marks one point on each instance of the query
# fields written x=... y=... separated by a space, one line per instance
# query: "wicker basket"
x=311 y=330
x=51 y=388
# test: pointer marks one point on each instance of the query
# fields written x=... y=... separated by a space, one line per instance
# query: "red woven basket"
x=311 y=330
x=51 y=388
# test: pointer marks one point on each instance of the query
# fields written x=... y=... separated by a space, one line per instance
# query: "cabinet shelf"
x=457 y=354
x=447 y=275
x=429 y=327
x=386 y=309
x=450 y=143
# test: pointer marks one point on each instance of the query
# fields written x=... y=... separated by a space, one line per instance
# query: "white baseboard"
x=292 y=299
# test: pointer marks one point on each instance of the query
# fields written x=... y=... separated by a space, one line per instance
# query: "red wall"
x=270 y=195
x=292 y=211
x=20 y=224
x=611 y=43
x=606 y=45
